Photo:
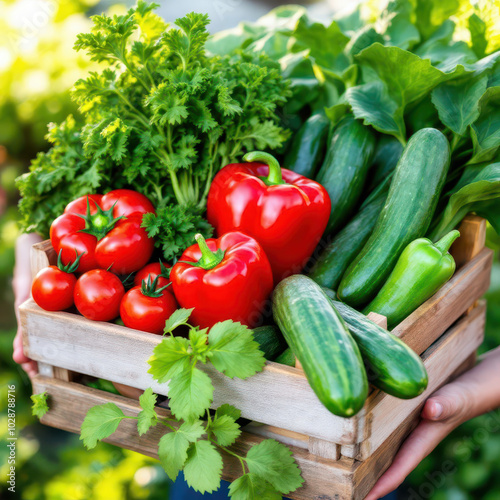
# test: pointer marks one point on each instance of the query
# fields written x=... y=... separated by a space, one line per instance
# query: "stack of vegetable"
x=388 y=132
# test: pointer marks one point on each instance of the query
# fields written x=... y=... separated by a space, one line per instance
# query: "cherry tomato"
x=153 y=270
x=93 y=225
x=98 y=294
x=146 y=313
x=52 y=289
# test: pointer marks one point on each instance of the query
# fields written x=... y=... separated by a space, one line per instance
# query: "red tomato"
x=98 y=294
x=153 y=270
x=52 y=289
x=146 y=313
x=106 y=241
x=127 y=202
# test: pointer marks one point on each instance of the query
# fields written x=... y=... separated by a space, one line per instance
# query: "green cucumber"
x=308 y=146
x=346 y=245
x=387 y=153
x=270 y=341
x=344 y=171
x=287 y=357
x=392 y=366
x=322 y=343
x=415 y=189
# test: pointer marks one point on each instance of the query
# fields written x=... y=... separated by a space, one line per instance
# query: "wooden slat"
x=378 y=319
x=42 y=255
x=120 y=354
x=434 y=317
x=472 y=240
x=443 y=358
x=69 y=402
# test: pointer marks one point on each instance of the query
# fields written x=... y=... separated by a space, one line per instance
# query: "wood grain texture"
x=378 y=319
x=443 y=358
x=120 y=354
x=425 y=325
x=472 y=240
x=325 y=479
x=42 y=255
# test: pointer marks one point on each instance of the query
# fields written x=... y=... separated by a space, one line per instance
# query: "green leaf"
x=172 y=452
x=480 y=195
x=203 y=467
x=170 y=357
x=371 y=103
x=430 y=14
x=100 y=422
x=190 y=393
x=228 y=410
x=225 y=430
x=252 y=487
x=233 y=351
x=485 y=131
x=397 y=26
x=40 y=406
x=192 y=431
x=457 y=102
x=147 y=417
x=406 y=76
x=177 y=318
x=273 y=462
x=198 y=339
x=477 y=28
x=336 y=112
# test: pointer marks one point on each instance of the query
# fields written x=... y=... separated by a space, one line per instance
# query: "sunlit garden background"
x=37 y=67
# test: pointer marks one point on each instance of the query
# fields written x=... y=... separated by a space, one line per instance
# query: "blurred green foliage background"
x=37 y=67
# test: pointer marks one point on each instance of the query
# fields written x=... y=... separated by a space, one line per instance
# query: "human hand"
x=468 y=396
x=22 y=286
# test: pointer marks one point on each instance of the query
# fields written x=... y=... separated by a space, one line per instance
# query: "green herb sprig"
x=197 y=438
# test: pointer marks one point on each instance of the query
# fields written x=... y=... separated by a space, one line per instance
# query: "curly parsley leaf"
x=147 y=417
x=252 y=487
x=100 y=422
x=273 y=462
x=233 y=351
x=203 y=467
x=40 y=406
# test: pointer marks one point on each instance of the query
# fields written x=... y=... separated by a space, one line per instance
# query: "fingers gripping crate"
x=340 y=458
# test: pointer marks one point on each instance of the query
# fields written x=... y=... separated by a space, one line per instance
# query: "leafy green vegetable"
x=162 y=117
x=40 y=406
x=457 y=102
x=195 y=439
x=480 y=195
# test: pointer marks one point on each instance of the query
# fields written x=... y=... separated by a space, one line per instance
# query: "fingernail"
x=438 y=410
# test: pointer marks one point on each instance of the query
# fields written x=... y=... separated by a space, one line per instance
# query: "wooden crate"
x=340 y=458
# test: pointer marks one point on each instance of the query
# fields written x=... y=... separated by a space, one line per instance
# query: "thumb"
x=448 y=404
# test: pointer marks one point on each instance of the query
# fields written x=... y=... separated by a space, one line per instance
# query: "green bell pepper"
x=420 y=271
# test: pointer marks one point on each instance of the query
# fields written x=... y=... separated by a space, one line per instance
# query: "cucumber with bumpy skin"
x=318 y=336
x=346 y=245
x=308 y=146
x=344 y=171
x=392 y=366
x=415 y=189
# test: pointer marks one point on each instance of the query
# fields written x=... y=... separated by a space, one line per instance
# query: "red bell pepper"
x=284 y=211
x=225 y=278
x=106 y=230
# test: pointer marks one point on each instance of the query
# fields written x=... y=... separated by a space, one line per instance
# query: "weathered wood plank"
x=325 y=479
x=443 y=358
x=472 y=240
x=120 y=354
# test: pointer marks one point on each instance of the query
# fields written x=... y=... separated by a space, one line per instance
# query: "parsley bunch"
x=162 y=117
x=196 y=437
